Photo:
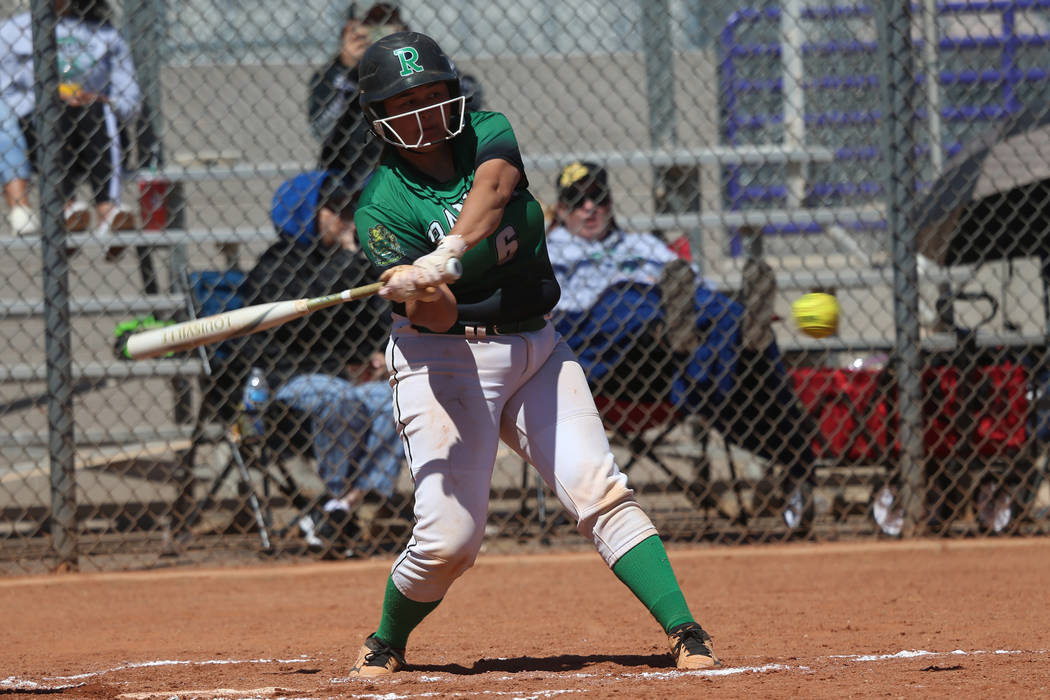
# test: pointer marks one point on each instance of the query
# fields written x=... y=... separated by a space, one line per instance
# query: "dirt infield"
x=901 y=619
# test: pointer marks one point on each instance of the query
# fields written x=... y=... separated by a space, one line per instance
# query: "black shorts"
x=91 y=150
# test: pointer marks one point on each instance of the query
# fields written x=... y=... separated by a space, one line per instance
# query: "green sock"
x=400 y=616
x=646 y=570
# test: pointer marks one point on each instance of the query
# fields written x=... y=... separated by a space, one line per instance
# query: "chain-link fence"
x=161 y=163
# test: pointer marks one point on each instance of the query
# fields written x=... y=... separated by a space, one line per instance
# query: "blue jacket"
x=294 y=207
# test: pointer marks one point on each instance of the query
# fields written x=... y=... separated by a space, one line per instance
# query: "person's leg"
x=21 y=216
x=15 y=172
x=322 y=398
x=451 y=448
x=100 y=156
x=553 y=424
x=76 y=151
x=105 y=171
x=16 y=192
x=338 y=427
x=382 y=455
x=775 y=427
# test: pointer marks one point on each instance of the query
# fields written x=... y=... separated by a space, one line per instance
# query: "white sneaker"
x=333 y=504
x=77 y=216
x=118 y=219
x=888 y=511
x=23 y=220
x=309 y=532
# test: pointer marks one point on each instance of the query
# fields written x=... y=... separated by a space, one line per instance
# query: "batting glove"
x=403 y=283
x=443 y=264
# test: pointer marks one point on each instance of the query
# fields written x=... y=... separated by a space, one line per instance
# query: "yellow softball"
x=816 y=314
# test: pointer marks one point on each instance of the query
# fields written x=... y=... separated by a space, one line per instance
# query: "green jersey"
x=403 y=214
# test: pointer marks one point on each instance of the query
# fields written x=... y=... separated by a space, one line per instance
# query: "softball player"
x=473 y=358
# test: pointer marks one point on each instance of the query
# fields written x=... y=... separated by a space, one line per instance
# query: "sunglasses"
x=598 y=195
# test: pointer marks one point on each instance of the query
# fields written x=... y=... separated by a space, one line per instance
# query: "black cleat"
x=691 y=648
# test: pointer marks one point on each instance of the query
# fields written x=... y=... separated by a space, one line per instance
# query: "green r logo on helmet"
x=409 y=59
x=401 y=62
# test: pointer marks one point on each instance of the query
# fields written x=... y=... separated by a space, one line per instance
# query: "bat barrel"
x=212 y=329
x=233 y=324
x=181 y=336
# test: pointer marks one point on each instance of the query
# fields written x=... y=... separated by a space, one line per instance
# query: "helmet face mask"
x=398 y=63
x=452 y=114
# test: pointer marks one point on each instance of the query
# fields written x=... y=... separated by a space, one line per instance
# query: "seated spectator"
x=645 y=331
x=329 y=365
x=336 y=120
x=99 y=91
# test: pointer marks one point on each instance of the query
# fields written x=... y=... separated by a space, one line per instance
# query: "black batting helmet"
x=399 y=62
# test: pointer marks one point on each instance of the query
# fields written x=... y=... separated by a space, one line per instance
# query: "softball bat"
x=234 y=324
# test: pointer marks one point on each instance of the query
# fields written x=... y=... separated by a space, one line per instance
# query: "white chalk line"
x=16 y=683
x=916 y=653
x=54 y=683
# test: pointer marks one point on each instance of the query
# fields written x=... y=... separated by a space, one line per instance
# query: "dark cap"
x=581 y=178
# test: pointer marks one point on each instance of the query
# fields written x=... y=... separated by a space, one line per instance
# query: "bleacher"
x=994 y=58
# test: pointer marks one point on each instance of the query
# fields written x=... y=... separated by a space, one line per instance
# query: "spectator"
x=329 y=365
x=336 y=120
x=617 y=313
x=99 y=91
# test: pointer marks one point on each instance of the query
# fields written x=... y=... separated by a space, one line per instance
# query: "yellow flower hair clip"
x=573 y=172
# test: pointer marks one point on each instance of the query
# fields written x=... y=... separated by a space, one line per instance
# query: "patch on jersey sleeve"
x=384 y=245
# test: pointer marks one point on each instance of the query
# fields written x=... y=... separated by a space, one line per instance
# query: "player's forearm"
x=480 y=216
x=494 y=185
x=437 y=315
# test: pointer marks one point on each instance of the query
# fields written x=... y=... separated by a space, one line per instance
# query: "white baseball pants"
x=454 y=398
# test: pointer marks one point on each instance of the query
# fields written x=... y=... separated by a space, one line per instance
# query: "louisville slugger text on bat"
x=234 y=324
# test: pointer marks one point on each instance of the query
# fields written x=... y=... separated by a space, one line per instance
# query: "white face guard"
x=389 y=134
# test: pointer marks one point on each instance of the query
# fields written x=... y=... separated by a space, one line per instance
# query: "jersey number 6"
x=506 y=244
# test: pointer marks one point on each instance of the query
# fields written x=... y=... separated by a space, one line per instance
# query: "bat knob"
x=453 y=269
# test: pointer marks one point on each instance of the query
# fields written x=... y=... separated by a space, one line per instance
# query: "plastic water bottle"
x=253 y=404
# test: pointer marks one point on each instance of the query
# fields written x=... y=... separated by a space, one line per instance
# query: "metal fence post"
x=676 y=187
x=56 y=290
x=659 y=71
x=900 y=95
x=794 y=97
x=144 y=22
